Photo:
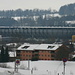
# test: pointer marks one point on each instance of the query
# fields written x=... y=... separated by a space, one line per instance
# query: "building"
x=37 y=51
x=25 y=52
x=62 y=52
x=45 y=51
x=12 y=56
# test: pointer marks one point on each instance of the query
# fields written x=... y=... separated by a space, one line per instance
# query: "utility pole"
x=17 y=62
x=28 y=64
x=14 y=49
x=64 y=61
x=64 y=68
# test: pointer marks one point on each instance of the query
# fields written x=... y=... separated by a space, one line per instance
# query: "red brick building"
x=37 y=51
x=25 y=52
x=46 y=51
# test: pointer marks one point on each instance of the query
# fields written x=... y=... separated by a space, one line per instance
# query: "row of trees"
x=4 y=56
x=67 y=9
x=27 y=12
x=64 y=10
x=37 y=17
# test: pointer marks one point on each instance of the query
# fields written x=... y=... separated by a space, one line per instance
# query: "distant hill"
x=67 y=9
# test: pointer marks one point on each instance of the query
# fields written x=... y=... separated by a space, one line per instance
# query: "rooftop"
x=27 y=46
x=48 y=46
x=39 y=46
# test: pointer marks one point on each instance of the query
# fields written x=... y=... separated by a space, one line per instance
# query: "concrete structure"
x=37 y=32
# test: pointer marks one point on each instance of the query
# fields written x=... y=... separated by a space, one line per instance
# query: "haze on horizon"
x=31 y=4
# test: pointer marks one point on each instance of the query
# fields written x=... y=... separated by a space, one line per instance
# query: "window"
x=30 y=52
x=27 y=51
x=52 y=55
x=52 y=59
x=33 y=52
x=36 y=51
x=48 y=55
x=32 y=55
x=25 y=47
x=52 y=51
x=36 y=54
x=49 y=51
x=40 y=51
x=26 y=55
x=18 y=51
x=42 y=55
x=50 y=46
x=29 y=55
x=18 y=54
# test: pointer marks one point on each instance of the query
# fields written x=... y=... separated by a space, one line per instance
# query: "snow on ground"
x=40 y=68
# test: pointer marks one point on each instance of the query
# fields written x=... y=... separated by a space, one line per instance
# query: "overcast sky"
x=31 y=4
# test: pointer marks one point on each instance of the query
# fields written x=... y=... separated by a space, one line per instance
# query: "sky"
x=31 y=4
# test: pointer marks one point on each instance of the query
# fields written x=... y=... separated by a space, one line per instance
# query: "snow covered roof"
x=48 y=46
x=71 y=22
x=11 y=44
x=39 y=46
x=12 y=54
x=27 y=46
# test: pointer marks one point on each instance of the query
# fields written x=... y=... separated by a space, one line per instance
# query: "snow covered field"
x=40 y=68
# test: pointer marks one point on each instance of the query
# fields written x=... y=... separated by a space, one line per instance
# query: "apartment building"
x=37 y=51
x=45 y=51
x=25 y=51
